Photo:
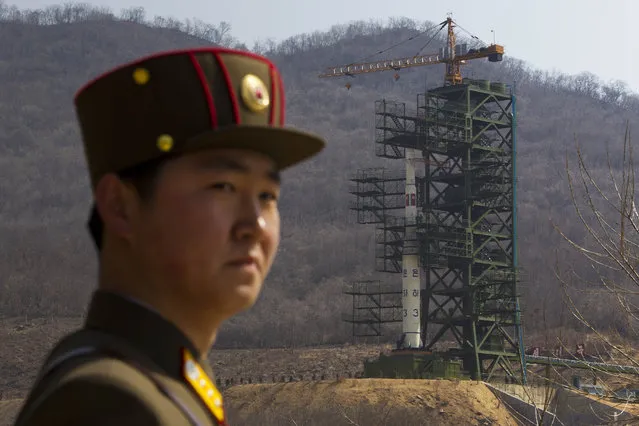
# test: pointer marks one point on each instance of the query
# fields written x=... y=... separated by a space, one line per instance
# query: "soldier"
x=184 y=151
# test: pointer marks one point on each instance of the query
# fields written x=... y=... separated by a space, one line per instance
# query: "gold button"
x=141 y=76
x=165 y=143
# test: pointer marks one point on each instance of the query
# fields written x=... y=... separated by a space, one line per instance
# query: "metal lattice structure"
x=466 y=224
x=378 y=194
x=374 y=303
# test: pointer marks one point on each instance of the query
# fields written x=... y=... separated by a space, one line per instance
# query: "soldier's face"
x=210 y=234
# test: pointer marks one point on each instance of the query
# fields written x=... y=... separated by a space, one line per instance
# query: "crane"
x=452 y=55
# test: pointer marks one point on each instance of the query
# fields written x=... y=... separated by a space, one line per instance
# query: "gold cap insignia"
x=197 y=378
x=165 y=143
x=254 y=93
x=141 y=76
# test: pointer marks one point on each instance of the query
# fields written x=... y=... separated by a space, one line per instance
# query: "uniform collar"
x=144 y=328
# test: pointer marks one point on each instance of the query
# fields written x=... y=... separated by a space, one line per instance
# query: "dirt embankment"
x=366 y=402
x=8 y=411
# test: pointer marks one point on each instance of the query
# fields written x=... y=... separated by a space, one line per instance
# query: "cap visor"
x=285 y=146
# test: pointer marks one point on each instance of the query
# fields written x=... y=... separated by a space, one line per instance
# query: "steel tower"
x=465 y=235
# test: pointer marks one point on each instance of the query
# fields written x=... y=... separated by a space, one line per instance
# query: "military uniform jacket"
x=126 y=366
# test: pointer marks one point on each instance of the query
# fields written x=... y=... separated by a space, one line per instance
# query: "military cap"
x=181 y=101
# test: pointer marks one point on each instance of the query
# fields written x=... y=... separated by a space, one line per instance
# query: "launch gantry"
x=448 y=223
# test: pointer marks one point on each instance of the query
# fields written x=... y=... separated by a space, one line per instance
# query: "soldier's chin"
x=239 y=298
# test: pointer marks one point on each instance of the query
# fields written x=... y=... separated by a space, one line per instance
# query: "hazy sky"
x=566 y=35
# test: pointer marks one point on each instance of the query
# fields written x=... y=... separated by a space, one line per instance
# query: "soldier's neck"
x=199 y=327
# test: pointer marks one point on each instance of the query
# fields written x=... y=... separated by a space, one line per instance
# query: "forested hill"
x=47 y=263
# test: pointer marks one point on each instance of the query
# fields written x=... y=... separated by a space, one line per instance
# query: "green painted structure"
x=466 y=226
x=413 y=365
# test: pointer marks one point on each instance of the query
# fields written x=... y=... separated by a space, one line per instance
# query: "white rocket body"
x=411 y=274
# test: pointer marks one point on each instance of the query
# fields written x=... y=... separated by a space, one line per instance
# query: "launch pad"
x=413 y=364
x=447 y=224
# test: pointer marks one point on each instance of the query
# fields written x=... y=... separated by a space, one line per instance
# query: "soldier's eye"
x=268 y=196
x=224 y=186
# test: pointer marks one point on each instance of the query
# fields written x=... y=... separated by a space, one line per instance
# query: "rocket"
x=411 y=274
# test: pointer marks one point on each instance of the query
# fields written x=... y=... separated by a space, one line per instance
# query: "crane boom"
x=399 y=63
x=448 y=56
x=385 y=65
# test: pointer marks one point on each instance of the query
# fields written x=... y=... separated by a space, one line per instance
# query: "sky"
x=569 y=36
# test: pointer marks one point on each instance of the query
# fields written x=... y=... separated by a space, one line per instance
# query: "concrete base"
x=413 y=364
x=536 y=406
x=530 y=406
x=574 y=408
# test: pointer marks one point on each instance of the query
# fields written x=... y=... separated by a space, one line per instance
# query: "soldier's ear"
x=116 y=204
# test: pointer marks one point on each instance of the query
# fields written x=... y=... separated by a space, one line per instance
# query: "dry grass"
x=305 y=363
x=25 y=343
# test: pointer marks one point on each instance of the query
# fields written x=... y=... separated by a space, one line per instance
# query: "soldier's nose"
x=250 y=228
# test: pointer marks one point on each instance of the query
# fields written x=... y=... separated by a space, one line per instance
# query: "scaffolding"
x=466 y=226
x=374 y=303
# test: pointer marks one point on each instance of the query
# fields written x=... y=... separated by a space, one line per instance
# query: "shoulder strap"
x=90 y=344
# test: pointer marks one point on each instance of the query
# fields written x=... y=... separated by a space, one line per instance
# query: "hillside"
x=46 y=258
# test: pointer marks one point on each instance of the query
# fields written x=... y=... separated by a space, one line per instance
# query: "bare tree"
x=610 y=217
x=133 y=14
x=603 y=300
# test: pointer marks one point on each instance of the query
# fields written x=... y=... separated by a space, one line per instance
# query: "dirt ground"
x=366 y=402
x=360 y=402
x=8 y=410
x=321 y=393
x=25 y=343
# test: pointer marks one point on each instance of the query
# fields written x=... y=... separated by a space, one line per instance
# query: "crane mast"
x=452 y=55
x=453 y=67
